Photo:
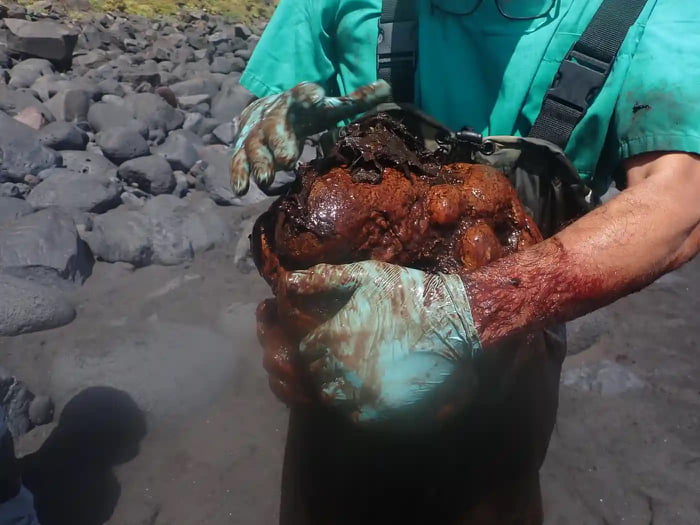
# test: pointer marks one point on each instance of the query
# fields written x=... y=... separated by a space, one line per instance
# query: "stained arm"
x=649 y=229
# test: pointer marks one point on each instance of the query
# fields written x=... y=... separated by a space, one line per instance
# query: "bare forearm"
x=617 y=249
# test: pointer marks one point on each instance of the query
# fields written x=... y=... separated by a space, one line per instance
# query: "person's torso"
x=490 y=73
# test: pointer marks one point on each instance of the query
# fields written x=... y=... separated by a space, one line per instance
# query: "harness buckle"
x=578 y=81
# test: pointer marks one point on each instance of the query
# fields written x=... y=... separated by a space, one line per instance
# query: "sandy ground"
x=180 y=341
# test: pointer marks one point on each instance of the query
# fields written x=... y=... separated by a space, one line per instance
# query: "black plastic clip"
x=578 y=81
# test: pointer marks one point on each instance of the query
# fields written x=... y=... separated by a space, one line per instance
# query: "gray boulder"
x=111 y=86
x=102 y=116
x=199 y=124
x=227 y=65
x=70 y=106
x=25 y=73
x=192 y=101
x=245 y=54
x=226 y=133
x=44 y=247
x=21 y=153
x=165 y=230
x=154 y=111
x=208 y=85
x=180 y=150
x=15 y=190
x=137 y=76
x=30 y=307
x=230 y=101
x=122 y=144
x=242 y=31
x=48 y=86
x=76 y=191
x=5 y=61
x=42 y=39
x=63 y=135
x=13 y=101
x=182 y=55
x=152 y=174
x=88 y=163
x=11 y=209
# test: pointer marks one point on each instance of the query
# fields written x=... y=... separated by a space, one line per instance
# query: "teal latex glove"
x=273 y=128
x=402 y=346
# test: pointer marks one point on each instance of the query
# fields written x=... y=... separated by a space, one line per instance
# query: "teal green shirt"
x=491 y=74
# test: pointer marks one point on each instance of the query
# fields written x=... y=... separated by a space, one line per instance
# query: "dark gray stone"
x=180 y=150
x=181 y=184
x=122 y=144
x=63 y=135
x=230 y=101
x=165 y=230
x=155 y=112
x=21 y=153
x=89 y=163
x=192 y=122
x=103 y=116
x=166 y=66
x=92 y=59
x=5 y=61
x=226 y=133
x=70 y=106
x=29 y=307
x=196 y=39
x=242 y=31
x=42 y=39
x=197 y=86
x=152 y=174
x=117 y=101
x=13 y=101
x=139 y=76
x=243 y=54
x=25 y=73
x=83 y=84
x=12 y=208
x=94 y=194
x=44 y=247
x=15 y=190
x=192 y=101
x=182 y=55
x=111 y=86
x=227 y=65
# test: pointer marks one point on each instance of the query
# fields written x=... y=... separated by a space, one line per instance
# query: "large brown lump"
x=382 y=196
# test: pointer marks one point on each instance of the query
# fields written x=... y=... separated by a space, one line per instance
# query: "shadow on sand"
x=72 y=476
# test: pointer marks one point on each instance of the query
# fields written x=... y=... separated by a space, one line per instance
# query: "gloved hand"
x=273 y=128
x=403 y=346
x=286 y=375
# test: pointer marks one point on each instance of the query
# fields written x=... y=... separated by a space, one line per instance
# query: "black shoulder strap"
x=397 y=47
x=584 y=71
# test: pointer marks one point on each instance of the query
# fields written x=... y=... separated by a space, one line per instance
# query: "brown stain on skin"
x=381 y=196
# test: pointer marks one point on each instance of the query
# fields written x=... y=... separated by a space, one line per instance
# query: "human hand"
x=281 y=359
x=273 y=128
x=402 y=346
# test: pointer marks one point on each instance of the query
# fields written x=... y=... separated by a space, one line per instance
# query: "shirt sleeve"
x=659 y=106
x=296 y=46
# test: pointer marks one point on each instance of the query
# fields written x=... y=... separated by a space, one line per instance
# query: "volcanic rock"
x=42 y=39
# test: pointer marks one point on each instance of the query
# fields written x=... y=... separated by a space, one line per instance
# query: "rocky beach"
x=127 y=296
